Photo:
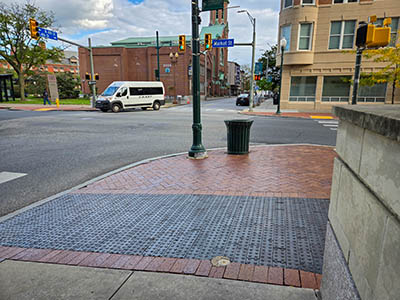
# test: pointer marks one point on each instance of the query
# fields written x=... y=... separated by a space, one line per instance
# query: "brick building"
x=135 y=59
x=318 y=32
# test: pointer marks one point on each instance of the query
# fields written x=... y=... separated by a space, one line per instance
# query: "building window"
x=375 y=93
x=336 y=89
x=302 y=88
x=287 y=3
x=221 y=57
x=286 y=33
x=342 y=34
x=344 y=1
x=308 y=2
x=216 y=15
x=305 y=36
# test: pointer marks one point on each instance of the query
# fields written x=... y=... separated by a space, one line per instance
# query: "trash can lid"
x=239 y=121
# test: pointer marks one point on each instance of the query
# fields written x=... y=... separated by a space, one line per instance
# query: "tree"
x=68 y=85
x=390 y=73
x=264 y=85
x=16 y=45
x=269 y=58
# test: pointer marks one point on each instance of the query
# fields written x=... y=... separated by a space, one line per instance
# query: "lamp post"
x=283 y=46
x=253 y=22
x=174 y=60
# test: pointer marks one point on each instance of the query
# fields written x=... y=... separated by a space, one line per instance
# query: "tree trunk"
x=21 y=85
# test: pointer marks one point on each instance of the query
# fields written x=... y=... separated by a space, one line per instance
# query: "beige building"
x=316 y=67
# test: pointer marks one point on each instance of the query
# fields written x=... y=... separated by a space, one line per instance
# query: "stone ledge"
x=382 y=119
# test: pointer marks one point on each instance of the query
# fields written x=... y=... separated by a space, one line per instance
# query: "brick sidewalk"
x=269 y=176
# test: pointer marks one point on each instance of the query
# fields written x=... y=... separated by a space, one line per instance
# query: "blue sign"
x=269 y=78
x=223 y=43
x=48 y=34
x=167 y=70
x=258 y=69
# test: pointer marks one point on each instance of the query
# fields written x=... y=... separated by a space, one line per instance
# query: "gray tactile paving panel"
x=283 y=232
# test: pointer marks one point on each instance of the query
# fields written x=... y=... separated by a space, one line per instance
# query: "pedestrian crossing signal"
x=33 y=28
x=208 y=41
x=96 y=76
x=257 y=77
x=182 y=43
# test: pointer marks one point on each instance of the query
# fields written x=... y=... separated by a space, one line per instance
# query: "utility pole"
x=251 y=104
x=158 y=57
x=357 y=74
x=93 y=83
x=197 y=151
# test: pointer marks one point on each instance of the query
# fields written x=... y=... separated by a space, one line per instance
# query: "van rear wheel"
x=156 y=105
x=116 y=107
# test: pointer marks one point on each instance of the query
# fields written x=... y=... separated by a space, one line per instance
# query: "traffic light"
x=208 y=41
x=96 y=76
x=33 y=27
x=182 y=43
x=257 y=77
x=87 y=76
x=368 y=35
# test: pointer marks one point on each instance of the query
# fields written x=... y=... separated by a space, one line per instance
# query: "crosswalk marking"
x=331 y=124
x=7 y=176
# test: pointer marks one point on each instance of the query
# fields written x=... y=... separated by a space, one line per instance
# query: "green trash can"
x=238 y=136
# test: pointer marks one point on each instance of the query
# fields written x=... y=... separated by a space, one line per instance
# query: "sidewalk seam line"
x=123 y=283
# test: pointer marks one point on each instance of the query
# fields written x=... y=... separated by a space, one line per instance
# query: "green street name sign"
x=212 y=5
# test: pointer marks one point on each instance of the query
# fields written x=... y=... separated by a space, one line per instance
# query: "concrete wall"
x=362 y=251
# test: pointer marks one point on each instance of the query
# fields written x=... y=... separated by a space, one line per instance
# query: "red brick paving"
x=275 y=275
x=268 y=171
x=292 y=277
x=235 y=271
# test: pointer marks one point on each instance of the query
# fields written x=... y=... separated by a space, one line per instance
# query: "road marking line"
x=320 y=117
x=330 y=125
x=43 y=109
x=328 y=122
x=333 y=128
x=7 y=176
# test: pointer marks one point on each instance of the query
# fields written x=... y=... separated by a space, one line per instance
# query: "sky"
x=105 y=21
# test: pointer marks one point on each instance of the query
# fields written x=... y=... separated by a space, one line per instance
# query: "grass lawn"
x=77 y=101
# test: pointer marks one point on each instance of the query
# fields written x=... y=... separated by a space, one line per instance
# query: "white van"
x=129 y=94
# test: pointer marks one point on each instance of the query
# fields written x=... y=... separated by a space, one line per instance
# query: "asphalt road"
x=59 y=150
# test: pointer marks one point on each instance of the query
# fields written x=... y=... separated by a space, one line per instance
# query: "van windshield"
x=110 y=90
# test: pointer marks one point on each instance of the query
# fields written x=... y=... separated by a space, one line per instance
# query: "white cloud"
x=111 y=20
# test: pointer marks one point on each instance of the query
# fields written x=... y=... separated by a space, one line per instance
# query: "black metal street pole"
x=197 y=151
x=357 y=75
x=278 y=111
x=158 y=57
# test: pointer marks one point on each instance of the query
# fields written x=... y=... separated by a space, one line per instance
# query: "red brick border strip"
x=234 y=271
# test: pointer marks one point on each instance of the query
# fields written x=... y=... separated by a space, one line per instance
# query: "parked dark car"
x=243 y=100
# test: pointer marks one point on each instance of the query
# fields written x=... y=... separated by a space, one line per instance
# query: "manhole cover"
x=220 y=261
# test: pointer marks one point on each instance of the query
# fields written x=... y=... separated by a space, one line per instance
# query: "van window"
x=123 y=92
x=110 y=91
x=146 y=91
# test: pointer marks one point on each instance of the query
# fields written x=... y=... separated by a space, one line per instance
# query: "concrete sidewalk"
x=267 y=109
x=265 y=212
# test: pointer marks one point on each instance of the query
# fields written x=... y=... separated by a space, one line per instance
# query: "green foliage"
x=269 y=58
x=390 y=73
x=16 y=45
x=68 y=85
x=264 y=85
x=36 y=83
